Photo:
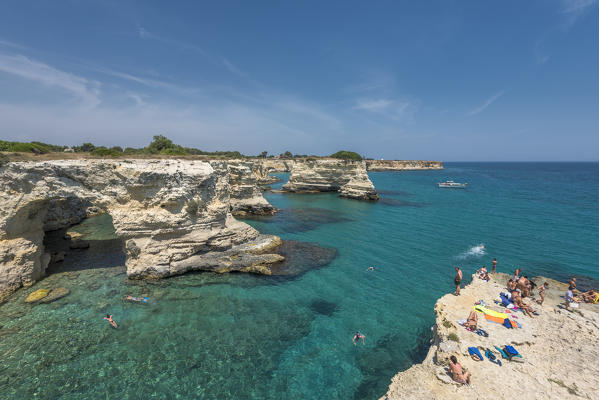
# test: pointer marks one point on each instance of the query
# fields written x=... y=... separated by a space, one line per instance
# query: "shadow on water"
x=388 y=358
x=324 y=307
x=302 y=219
x=400 y=203
x=393 y=192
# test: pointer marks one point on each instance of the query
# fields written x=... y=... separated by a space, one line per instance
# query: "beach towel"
x=499 y=320
x=486 y=311
x=476 y=352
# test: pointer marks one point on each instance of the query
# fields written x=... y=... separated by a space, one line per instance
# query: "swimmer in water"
x=370 y=269
x=108 y=318
x=357 y=338
x=137 y=299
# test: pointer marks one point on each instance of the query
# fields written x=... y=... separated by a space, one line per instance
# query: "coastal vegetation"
x=159 y=146
x=347 y=155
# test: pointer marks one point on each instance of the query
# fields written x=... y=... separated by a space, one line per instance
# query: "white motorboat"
x=452 y=185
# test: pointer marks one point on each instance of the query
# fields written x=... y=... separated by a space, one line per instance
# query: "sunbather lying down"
x=472 y=321
x=591 y=296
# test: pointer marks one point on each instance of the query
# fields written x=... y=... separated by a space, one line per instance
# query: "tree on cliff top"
x=347 y=155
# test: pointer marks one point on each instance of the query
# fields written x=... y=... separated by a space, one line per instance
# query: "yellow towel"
x=485 y=310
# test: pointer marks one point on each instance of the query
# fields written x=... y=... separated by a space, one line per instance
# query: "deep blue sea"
x=238 y=336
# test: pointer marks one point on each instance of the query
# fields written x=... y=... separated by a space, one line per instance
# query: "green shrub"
x=347 y=155
x=105 y=152
x=453 y=336
x=33 y=147
x=3 y=159
x=447 y=324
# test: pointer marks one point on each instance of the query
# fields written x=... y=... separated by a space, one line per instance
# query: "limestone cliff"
x=246 y=196
x=401 y=165
x=559 y=349
x=263 y=168
x=173 y=214
x=349 y=178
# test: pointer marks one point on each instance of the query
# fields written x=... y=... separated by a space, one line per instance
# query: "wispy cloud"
x=486 y=104
x=573 y=10
x=147 y=35
x=373 y=105
x=233 y=69
x=83 y=89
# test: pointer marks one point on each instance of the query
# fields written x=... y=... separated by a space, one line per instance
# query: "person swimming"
x=112 y=322
x=137 y=299
x=370 y=268
x=357 y=338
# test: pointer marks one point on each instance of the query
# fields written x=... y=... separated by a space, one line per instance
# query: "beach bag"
x=507 y=323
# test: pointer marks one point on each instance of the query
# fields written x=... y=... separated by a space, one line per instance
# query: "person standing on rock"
x=494 y=265
x=457 y=280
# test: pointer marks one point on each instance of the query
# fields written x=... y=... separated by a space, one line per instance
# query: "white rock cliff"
x=173 y=214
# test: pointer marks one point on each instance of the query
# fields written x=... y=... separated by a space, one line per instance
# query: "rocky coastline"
x=173 y=215
x=348 y=178
x=401 y=165
x=559 y=349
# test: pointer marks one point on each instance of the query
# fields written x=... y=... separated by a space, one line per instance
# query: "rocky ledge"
x=348 y=178
x=174 y=216
x=402 y=165
x=246 y=195
x=559 y=349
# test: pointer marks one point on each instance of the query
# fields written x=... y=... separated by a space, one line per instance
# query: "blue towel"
x=474 y=350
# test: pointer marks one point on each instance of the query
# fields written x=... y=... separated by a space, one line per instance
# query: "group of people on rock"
x=574 y=296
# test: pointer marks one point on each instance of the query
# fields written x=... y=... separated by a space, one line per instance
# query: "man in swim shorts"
x=457 y=280
x=494 y=265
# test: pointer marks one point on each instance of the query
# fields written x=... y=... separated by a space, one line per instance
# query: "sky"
x=442 y=80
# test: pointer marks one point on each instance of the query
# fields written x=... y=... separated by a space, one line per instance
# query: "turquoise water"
x=242 y=336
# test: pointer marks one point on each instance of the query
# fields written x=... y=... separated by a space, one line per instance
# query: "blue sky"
x=442 y=80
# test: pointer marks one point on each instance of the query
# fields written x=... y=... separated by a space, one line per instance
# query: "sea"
x=242 y=336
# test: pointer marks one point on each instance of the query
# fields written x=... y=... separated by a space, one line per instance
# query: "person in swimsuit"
x=511 y=285
x=357 y=338
x=590 y=296
x=472 y=321
x=137 y=299
x=457 y=280
x=517 y=300
x=542 y=293
x=494 y=265
x=108 y=318
x=516 y=275
x=457 y=372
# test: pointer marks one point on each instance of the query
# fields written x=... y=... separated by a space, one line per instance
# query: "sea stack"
x=348 y=178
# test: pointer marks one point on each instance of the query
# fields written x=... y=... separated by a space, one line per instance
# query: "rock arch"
x=173 y=214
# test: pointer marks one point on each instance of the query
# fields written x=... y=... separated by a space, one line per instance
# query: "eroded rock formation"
x=246 y=196
x=402 y=165
x=263 y=168
x=348 y=178
x=173 y=214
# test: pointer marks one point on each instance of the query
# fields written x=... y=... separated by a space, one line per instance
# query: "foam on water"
x=474 y=251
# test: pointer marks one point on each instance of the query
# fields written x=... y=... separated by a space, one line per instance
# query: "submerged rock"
x=301 y=257
x=79 y=244
x=37 y=295
x=55 y=294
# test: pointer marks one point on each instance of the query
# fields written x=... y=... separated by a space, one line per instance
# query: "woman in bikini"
x=457 y=373
x=472 y=321
x=112 y=322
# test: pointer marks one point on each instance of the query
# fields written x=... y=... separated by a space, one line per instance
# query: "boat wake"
x=474 y=251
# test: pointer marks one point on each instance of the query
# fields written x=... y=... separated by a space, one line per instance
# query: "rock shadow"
x=388 y=201
x=324 y=307
x=302 y=219
x=301 y=257
x=389 y=357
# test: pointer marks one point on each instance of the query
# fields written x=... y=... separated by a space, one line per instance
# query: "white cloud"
x=486 y=104
x=233 y=69
x=576 y=6
x=372 y=105
x=83 y=89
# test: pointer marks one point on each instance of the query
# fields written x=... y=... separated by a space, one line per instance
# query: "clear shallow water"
x=242 y=336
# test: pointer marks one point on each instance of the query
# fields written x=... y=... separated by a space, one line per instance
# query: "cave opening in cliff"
x=79 y=237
